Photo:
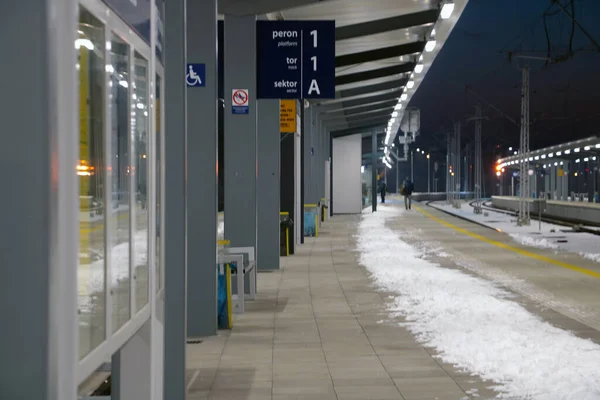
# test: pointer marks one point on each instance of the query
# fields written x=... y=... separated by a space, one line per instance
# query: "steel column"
x=202 y=151
x=240 y=140
x=175 y=232
x=39 y=206
x=267 y=189
x=374 y=171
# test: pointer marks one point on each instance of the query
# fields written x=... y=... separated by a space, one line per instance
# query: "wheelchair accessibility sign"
x=195 y=75
x=239 y=101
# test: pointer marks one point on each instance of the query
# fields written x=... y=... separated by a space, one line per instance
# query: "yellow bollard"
x=229 y=307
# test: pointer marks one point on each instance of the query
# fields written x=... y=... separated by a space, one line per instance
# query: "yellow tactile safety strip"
x=511 y=248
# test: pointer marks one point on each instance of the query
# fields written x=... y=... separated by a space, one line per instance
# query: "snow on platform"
x=543 y=236
x=475 y=325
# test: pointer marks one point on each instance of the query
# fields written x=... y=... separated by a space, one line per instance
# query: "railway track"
x=573 y=225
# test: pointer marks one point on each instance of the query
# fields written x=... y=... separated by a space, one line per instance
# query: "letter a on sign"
x=314 y=87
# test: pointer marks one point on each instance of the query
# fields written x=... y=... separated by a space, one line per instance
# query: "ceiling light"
x=577 y=150
x=586 y=148
x=515 y=153
x=543 y=156
x=421 y=59
x=555 y=164
x=397 y=106
x=567 y=151
x=561 y=163
x=558 y=153
x=393 y=120
x=433 y=32
x=594 y=158
x=598 y=146
x=419 y=68
x=577 y=161
x=124 y=84
x=405 y=89
x=430 y=46
x=410 y=84
x=530 y=158
x=395 y=114
x=403 y=97
x=586 y=159
x=544 y=165
x=447 y=9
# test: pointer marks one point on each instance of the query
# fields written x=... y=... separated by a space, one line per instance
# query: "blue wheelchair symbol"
x=195 y=75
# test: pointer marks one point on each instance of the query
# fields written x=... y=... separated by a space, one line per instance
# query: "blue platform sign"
x=195 y=75
x=295 y=59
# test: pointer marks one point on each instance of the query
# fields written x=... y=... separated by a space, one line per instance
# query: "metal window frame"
x=160 y=71
x=113 y=341
x=149 y=187
x=63 y=324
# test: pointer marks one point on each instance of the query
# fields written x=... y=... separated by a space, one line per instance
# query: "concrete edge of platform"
x=462 y=218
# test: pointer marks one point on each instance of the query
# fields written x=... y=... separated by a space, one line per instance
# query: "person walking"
x=407 y=189
x=383 y=192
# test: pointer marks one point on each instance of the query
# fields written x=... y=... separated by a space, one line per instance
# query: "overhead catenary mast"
x=524 y=192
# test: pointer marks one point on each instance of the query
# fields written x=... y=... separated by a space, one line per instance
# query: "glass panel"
x=366 y=185
x=139 y=124
x=91 y=171
x=120 y=173
x=159 y=186
x=160 y=13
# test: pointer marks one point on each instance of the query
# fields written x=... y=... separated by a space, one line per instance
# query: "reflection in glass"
x=120 y=143
x=139 y=124
x=159 y=182
x=366 y=184
x=91 y=172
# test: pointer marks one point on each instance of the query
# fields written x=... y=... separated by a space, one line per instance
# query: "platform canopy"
x=384 y=49
x=584 y=151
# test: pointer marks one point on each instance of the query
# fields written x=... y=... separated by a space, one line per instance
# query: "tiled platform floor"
x=318 y=331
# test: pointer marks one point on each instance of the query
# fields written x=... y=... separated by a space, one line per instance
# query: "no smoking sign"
x=239 y=101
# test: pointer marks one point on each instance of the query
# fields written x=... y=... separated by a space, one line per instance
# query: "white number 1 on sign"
x=314 y=35
x=314 y=60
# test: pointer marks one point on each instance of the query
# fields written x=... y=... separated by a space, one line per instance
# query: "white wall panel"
x=347 y=153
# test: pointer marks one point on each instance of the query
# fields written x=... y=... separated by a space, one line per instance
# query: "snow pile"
x=531 y=241
x=475 y=326
x=591 y=256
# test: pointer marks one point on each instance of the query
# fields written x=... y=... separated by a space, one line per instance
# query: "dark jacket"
x=409 y=187
x=383 y=189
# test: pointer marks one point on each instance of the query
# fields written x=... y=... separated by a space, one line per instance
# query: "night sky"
x=565 y=96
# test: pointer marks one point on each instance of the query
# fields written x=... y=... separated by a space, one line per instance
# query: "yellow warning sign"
x=561 y=172
x=287 y=116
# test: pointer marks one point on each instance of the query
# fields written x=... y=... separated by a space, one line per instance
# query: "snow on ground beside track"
x=591 y=256
x=550 y=236
x=474 y=325
x=531 y=241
